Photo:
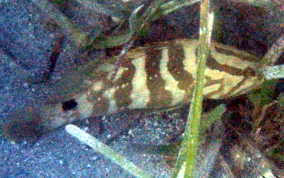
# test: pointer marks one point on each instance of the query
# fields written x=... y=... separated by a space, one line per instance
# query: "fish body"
x=157 y=76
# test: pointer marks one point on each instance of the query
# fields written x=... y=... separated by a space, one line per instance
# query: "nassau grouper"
x=157 y=76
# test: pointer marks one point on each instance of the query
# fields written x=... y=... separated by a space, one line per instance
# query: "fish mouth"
x=24 y=125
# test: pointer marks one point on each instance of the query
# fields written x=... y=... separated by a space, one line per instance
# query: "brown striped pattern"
x=163 y=76
x=101 y=104
x=211 y=82
x=212 y=63
x=160 y=76
x=124 y=86
x=176 y=66
x=235 y=88
x=244 y=55
x=170 y=83
x=159 y=96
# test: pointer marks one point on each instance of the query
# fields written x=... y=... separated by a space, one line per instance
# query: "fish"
x=156 y=76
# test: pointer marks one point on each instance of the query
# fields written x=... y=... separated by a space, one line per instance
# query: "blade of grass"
x=104 y=9
x=274 y=52
x=171 y=6
x=106 y=151
x=112 y=41
x=135 y=25
x=156 y=10
x=262 y=3
x=186 y=161
x=273 y=72
x=77 y=34
x=207 y=120
x=270 y=58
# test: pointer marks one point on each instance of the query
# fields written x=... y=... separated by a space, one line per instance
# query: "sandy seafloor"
x=25 y=48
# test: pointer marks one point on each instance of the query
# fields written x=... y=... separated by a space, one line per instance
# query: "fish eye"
x=70 y=104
